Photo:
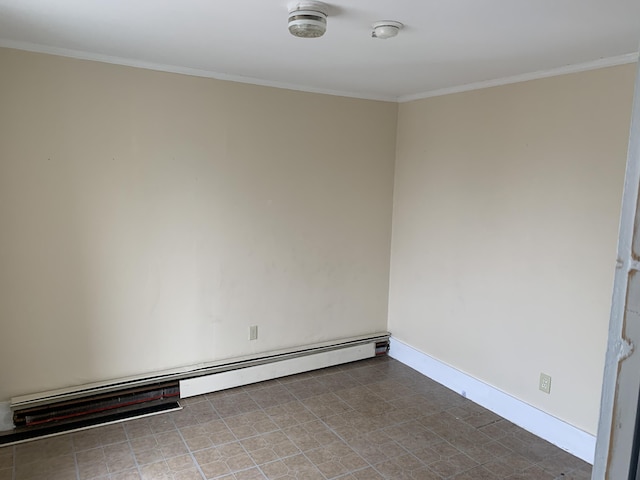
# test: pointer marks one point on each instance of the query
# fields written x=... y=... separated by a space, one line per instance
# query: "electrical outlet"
x=545 y=383
x=253 y=332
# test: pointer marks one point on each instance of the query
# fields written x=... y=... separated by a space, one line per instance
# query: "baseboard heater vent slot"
x=382 y=348
x=97 y=405
x=52 y=418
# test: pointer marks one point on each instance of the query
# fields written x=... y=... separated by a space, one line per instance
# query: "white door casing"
x=621 y=383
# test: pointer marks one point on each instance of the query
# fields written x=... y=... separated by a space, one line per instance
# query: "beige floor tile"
x=173 y=449
x=90 y=471
x=90 y=456
x=141 y=444
x=241 y=461
x=181 y=462
x=6 y=461
x=188 y=474
x=250 y=474
x=149 y=456
x=215 y=469
x=154 y=470
x=87 y=439
x=128 y=475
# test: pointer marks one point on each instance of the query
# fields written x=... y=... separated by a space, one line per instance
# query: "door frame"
x=614 y=455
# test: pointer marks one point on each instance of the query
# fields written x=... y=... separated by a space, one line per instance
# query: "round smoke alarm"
x=308 y=20
x=386 y=29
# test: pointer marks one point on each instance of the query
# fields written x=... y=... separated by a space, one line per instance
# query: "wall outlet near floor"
x=253 y=332
x=545 y=383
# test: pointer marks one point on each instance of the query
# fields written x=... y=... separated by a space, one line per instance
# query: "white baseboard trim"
x=569 y=438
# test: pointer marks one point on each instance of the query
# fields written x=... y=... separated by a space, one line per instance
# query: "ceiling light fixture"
x=386 y=29
x=308 y=19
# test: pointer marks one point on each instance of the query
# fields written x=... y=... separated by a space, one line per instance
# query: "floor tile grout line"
x=135 y=459
x=75 y=458
x=193 y=458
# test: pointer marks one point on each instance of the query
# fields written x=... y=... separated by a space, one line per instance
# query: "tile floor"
x=374 y=419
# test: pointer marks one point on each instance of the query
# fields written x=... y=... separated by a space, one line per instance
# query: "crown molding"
x=553 y=72
x=128 y=62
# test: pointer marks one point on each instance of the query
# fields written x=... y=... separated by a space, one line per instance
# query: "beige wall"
x=506 y=208
x=147 y=219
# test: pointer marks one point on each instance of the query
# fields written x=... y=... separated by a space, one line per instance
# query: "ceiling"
x=446 y=45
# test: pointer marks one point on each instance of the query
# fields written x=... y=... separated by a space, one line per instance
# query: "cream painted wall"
x=506 y=209
x=147 y=219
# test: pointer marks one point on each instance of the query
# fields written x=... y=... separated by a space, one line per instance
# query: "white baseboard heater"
x=283 y=365
x=59 y=411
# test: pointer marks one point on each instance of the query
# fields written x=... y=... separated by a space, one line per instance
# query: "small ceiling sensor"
x=386 y=29
x=308 y=19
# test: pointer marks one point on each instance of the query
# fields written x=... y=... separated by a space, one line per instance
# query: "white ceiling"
x=447 y=45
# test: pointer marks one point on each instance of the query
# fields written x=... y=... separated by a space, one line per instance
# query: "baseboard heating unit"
x=60 y=411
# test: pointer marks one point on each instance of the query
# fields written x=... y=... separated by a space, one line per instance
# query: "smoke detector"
x=386 y=29
x=308 y=19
